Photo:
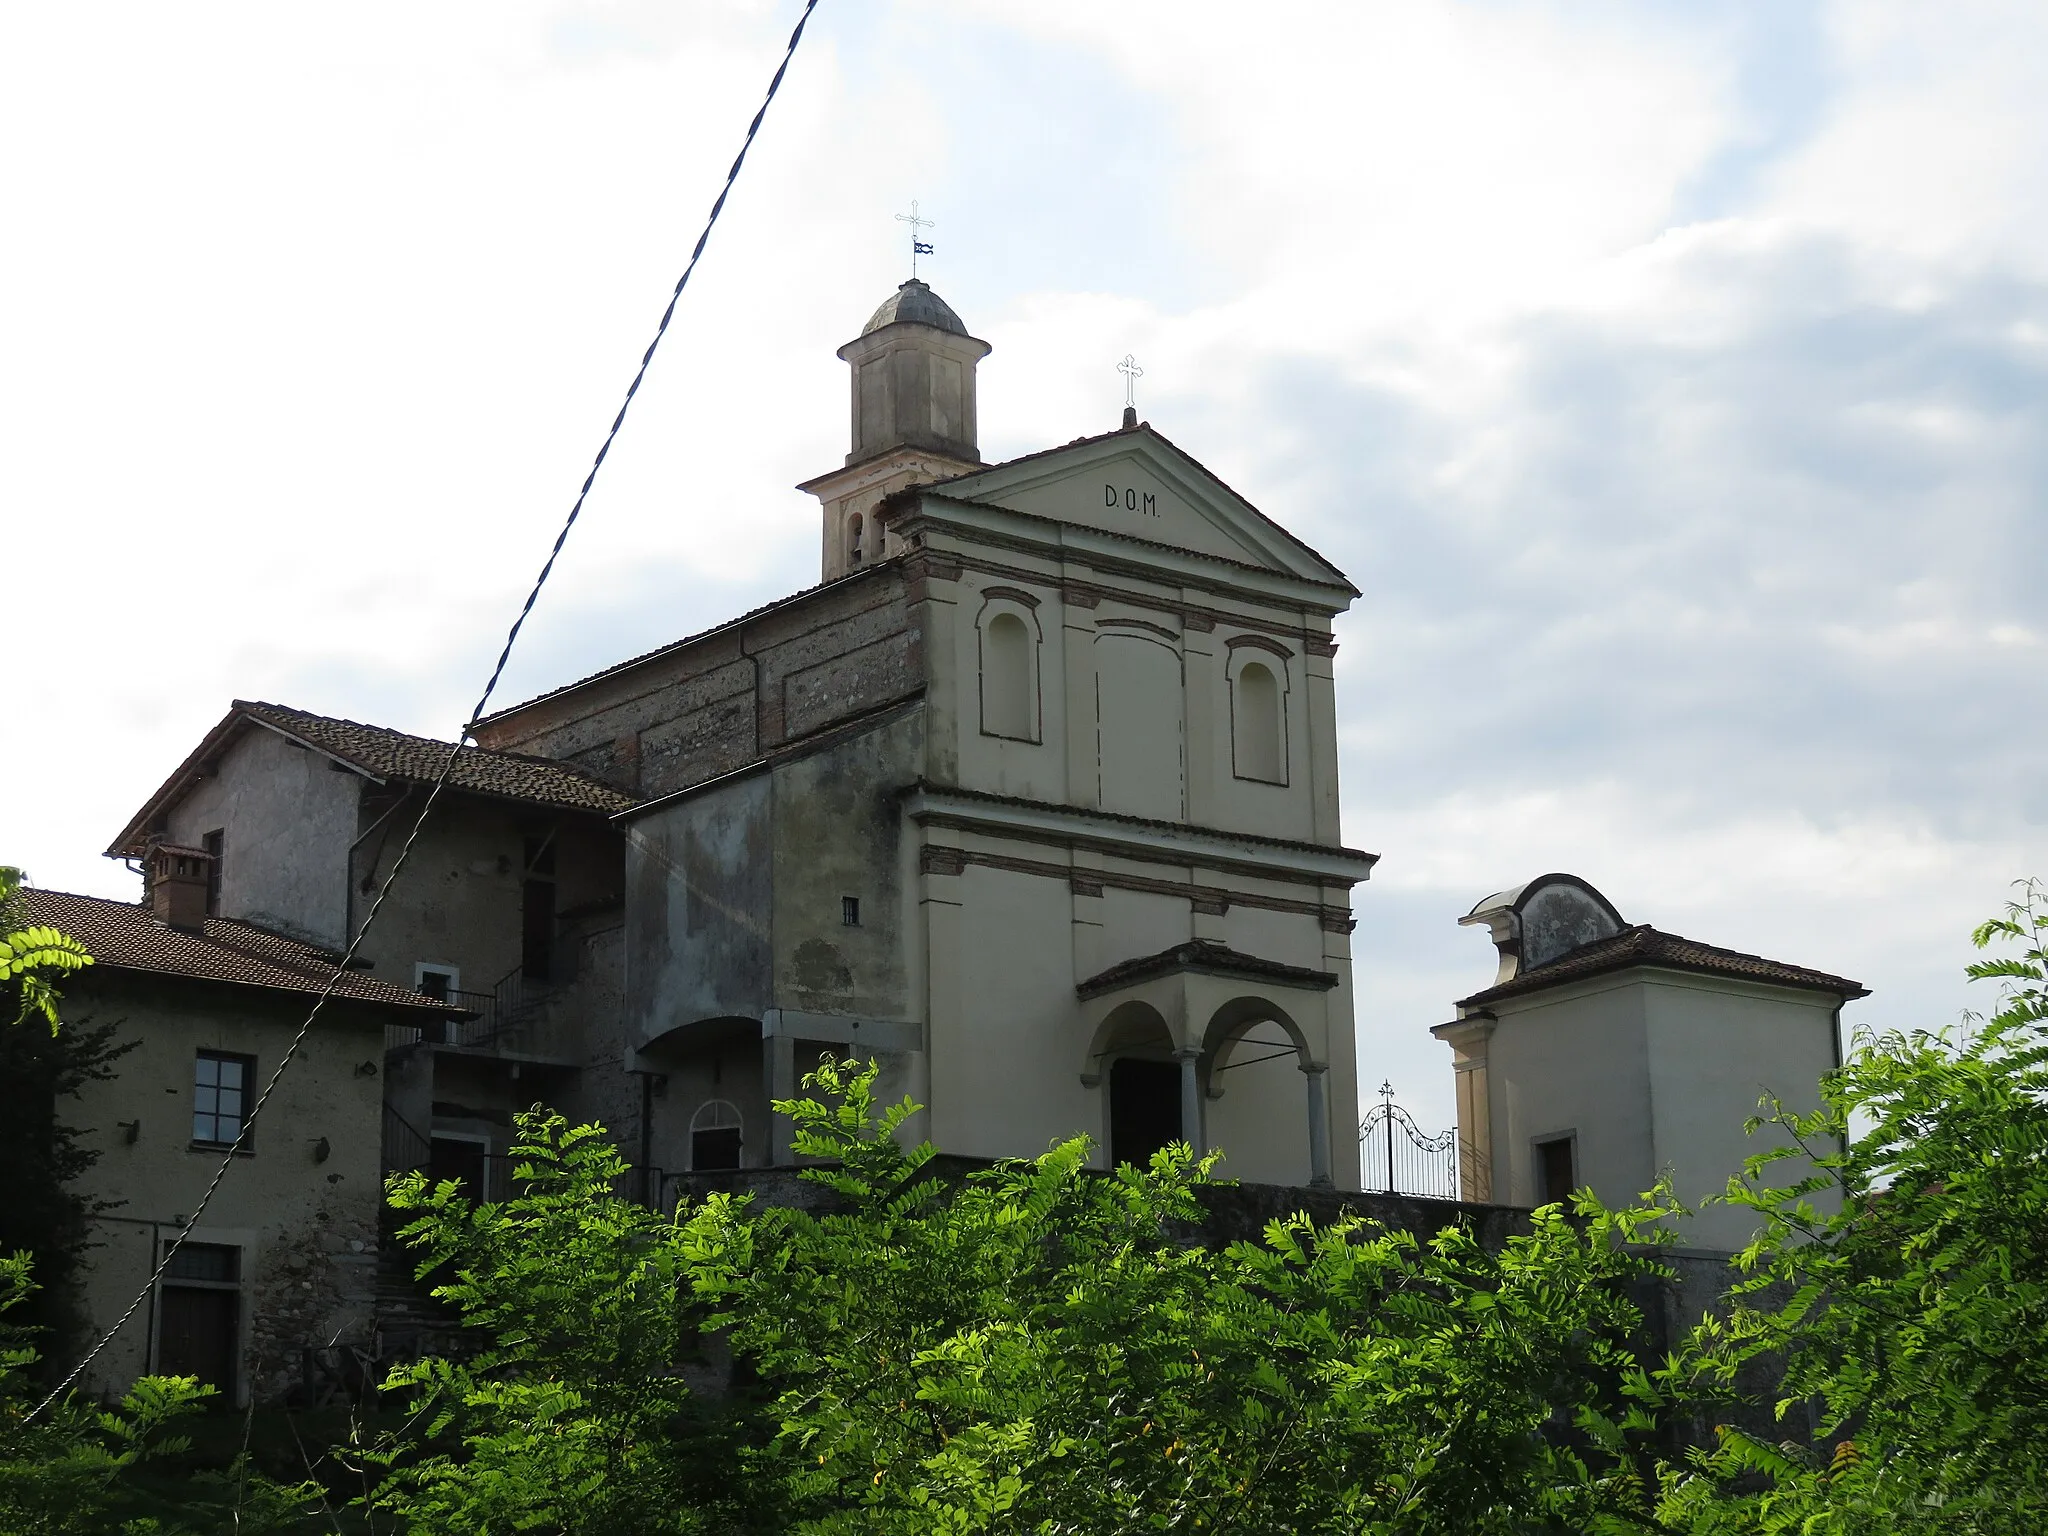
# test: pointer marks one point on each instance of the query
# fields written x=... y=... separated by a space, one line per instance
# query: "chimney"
x=177 y=885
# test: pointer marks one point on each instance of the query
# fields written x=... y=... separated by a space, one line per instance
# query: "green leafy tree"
x=1913 y=1325
x=75 y=1469
x=1035 y=1347
x=30 y=956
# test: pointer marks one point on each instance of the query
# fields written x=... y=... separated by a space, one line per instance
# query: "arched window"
x=1009 y=677
x=853 y=549
x=1258 y=724
x=715 y=1140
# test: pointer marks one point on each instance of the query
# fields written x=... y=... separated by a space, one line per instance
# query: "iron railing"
x=512 y=1003
x=1403 y=1159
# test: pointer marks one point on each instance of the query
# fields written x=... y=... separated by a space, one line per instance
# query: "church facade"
x=1033 y=800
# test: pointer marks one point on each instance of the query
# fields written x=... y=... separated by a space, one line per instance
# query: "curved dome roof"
x=915 y=304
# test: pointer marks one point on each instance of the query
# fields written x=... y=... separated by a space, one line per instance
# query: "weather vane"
x=917 y=247
x=1132 y=373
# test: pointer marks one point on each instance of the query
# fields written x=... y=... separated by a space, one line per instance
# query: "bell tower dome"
x=913 y=419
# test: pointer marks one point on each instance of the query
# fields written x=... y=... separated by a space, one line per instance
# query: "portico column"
x=1190 y=1099
x=1318 y=1124
x=778 y=1067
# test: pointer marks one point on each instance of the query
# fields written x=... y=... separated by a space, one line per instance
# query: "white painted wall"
x=1653 y=1070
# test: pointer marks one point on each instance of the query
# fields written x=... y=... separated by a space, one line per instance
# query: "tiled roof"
x=124 y=937
x=1643 y=945
x=385 y=754
x=390 y=754
x=1207 y=957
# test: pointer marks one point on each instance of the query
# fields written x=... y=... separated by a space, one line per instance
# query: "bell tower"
x=913 y=419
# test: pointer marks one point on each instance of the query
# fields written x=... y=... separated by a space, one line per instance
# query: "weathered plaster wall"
x=459 y=902
x=838 y=831
x=287 y=816
x=699 y=904
x=308 y=1227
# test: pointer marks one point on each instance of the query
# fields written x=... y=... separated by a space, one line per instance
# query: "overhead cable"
x=347 y=960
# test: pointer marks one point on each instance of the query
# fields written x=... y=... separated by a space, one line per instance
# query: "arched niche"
x=1259 y=686
x=1008 y=644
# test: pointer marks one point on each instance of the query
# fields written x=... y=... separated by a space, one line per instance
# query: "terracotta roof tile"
x=124 y=937
x=1207 y=957
x=390 y=754
x=1643 y=945
x=384 y=754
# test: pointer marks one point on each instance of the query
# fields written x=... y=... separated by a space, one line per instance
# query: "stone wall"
x=726 y=698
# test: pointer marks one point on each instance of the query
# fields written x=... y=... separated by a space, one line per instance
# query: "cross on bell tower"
x=918 y=247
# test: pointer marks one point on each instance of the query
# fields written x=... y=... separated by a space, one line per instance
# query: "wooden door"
x=197 y=1328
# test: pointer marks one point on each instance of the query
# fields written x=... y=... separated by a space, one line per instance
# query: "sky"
x=1670 y=378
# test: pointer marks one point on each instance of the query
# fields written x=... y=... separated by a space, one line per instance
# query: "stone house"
x=285 y=1254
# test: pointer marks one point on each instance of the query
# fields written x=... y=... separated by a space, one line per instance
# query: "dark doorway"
x=537 y=911
x=454 y=1157
x=1144 y=1108
x=199 y=1314
x=715 y=1149
x=1554 y=1171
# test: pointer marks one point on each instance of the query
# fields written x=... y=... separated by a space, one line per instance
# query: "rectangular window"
x=223 y=1087
x=215 y=843
x=1556 y=1175
x=849 y=911
x=218 y=1262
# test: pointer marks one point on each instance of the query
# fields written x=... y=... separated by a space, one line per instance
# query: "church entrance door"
x=1144 y=1108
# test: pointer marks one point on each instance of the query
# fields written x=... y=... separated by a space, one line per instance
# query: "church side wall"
x=838 y=832
x=699 y=904
x=287 y=816
x=713 y=705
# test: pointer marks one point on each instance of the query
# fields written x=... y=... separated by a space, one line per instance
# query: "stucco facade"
x=1043 y=720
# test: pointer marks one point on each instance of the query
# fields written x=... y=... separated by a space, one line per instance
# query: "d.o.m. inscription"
x=1130 y=500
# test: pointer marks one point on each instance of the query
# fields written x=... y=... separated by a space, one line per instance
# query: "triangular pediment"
x=1136 y=484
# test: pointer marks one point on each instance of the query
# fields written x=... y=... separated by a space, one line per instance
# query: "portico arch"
x=1136 y=1057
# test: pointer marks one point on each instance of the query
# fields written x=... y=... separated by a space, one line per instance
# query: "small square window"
x=437 y=981
x=222 y=1092
x=849 y=911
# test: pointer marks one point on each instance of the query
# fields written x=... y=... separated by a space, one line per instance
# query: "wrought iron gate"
x=1401 y=1158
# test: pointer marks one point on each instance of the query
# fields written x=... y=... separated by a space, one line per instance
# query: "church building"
x=1033 y=799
